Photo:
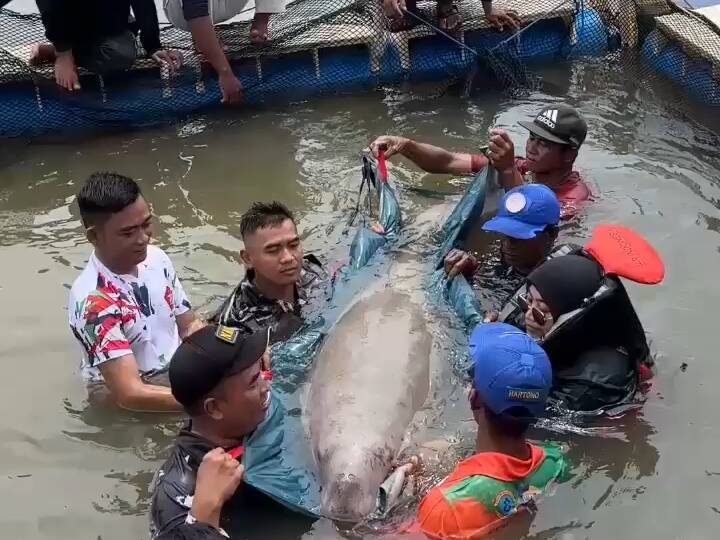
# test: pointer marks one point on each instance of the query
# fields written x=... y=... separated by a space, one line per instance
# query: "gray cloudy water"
x=69 y=472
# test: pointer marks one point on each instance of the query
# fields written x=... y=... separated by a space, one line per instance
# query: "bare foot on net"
x=259 y=29
x=41 y=53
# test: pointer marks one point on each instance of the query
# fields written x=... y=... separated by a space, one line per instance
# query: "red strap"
x=382 y=166
x=623 y=252
x=267 y=375
x=236 y=452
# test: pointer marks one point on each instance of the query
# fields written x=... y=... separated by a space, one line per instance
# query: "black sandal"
x=448 y=17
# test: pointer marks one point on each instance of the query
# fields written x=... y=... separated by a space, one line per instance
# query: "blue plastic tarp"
x=457 y=291
x=277 y=459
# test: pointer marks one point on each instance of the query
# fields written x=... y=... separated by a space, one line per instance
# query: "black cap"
x=210 y=355
x=560 y=124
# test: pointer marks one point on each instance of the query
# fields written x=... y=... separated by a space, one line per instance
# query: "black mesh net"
x=335 y=46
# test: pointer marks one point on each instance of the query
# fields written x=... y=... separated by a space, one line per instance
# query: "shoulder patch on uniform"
x=505 y=503
x=227 y=334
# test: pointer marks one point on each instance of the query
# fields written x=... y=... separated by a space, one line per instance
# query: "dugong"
x=372 y=375
x=370 y=378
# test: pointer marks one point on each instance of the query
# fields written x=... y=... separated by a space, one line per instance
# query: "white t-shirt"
x=115 y=315
x=219 y=11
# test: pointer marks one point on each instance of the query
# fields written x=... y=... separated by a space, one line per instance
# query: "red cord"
x=236 y=452
x=382 y=167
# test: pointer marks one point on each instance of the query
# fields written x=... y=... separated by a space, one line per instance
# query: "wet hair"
x=514 y=422
x=104 y=194
x=262 y=215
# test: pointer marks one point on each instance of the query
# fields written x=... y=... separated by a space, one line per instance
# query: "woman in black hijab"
x=586 y=323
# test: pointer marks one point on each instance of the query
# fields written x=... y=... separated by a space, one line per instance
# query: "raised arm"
x=218 y=477
x=429 y=158
x=501 y=152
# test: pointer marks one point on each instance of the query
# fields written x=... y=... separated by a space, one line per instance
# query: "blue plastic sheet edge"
x=457 y=291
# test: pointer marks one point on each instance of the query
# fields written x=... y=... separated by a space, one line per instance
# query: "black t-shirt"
x=250 y=310
x=249 y=514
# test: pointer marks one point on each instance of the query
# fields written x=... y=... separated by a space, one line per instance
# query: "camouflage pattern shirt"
x=250 y=310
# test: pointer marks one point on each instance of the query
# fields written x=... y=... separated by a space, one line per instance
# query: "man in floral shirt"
x=127 y=308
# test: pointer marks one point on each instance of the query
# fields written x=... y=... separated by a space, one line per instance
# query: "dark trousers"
x=115 y=53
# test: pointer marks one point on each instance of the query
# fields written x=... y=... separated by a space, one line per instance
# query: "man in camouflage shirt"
x=282 y=287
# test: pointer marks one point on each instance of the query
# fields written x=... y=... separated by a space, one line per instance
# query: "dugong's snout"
x=348 y=498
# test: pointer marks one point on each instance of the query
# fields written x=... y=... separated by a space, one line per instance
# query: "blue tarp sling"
x=277 y=461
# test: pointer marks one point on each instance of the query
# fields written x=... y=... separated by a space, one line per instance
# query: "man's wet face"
x=243 y=399
x=525 y=255
x=275 y=253
x=545 y=156
x=122 y=239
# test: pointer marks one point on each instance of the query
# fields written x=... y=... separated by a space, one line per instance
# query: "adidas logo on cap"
x=548 y=118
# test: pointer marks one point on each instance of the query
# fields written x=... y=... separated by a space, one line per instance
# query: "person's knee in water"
x=281 y=283
x=512 y=377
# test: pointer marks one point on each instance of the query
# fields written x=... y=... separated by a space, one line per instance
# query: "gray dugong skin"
x=369 y=379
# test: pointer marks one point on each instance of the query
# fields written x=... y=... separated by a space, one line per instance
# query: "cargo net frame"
x=343 y=46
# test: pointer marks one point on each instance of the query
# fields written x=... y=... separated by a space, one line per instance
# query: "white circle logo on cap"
x=515 y=203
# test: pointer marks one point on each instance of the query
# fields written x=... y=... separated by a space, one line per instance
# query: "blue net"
x=289 y=478
x=341 y=46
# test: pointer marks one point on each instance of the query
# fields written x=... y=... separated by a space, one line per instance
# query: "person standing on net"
x=200 y=18
x=448 y=15
x=98 y=36
x=556 y=135
x=127 y=308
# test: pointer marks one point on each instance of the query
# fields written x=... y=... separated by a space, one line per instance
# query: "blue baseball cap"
x=510 y=369
x=525 y=211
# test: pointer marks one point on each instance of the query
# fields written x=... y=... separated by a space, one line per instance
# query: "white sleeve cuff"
x=190 y=520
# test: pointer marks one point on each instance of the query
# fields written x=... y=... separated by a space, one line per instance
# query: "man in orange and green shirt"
x=511 y=381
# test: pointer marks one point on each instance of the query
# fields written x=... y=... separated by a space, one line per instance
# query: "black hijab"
x=594 y=355
x=565 y=282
